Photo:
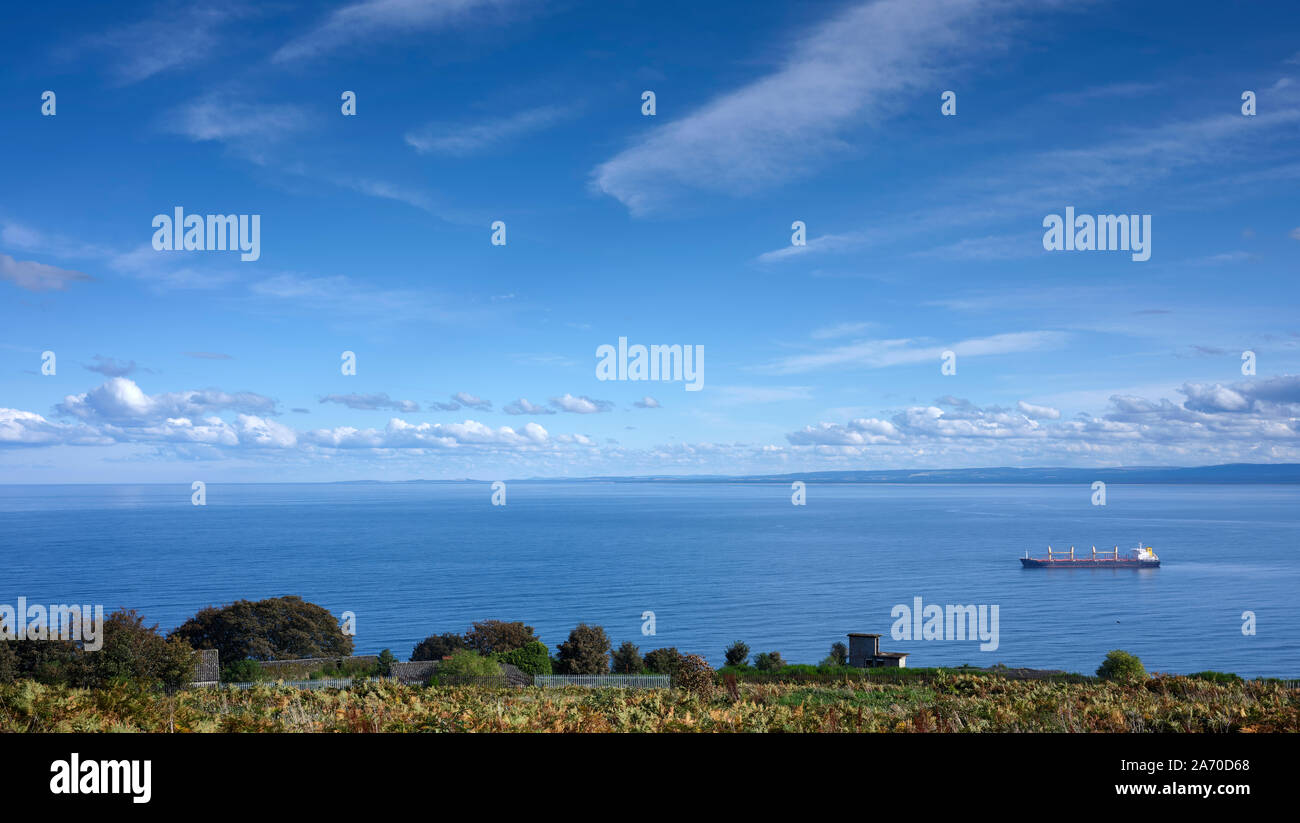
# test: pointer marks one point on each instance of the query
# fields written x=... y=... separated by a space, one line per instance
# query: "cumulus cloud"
x=371 y=402
x=463 y=400
x=120 y=400
x=1243 y=421
x=647 y=402
x=580 y=405
x=522 y=406
x=1039 y=412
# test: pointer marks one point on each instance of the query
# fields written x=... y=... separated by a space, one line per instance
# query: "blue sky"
x=924 y=235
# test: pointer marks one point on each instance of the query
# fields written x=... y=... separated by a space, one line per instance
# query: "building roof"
x=862 y=634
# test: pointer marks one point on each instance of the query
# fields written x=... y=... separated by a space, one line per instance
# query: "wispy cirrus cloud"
x=463 y=139
x=177 y=37
x=900 y=351
x=357 y=24
x=847 y=70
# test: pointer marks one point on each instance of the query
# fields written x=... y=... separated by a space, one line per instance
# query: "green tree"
x=663 y=661
x=278 y=628
x=466 y=666
x=531 y=659
x=626 y=659
x=133 y=651
x=499 y=637
x=384 y=667
x=840 y=653
x=585 y=652
x=1122 y=667
x=737 y=654
x=438 y=646
x=768 y=661
x=242 y=671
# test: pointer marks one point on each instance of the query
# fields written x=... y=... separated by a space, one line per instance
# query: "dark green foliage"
x=278 y=628
x=1217 y=677
x=127 y=650
x=242 y=671
x=8 y=662
x=438 y=646
x=626 y=659
x=386 y=661
x=531 y=659
x=1121 y=667
x=48 y=661
x=585 y=652
x=768 y=661
x=135 y=652
x=694 y=675
x=839 y=653
x=499 y=636
x=663 y=661
x=737 y=654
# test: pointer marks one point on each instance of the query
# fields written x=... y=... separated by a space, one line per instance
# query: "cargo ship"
x=1137 y=558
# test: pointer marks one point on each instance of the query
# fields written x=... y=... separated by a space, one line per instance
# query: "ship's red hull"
x=1087 y=563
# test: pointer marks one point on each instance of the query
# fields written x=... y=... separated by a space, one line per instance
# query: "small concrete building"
x=865 y=653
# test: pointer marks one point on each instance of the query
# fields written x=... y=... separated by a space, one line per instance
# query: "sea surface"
x=714 y=562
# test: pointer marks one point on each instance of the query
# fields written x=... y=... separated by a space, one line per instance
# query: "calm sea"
x=713 y=562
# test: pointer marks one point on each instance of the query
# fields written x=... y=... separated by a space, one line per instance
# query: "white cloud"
x=522 y=406
x=33 y=276
x=459 y=140
x=846 y=70
x=370 y=402
x=1039 y=412
x=358 y=23
x=580 y=405
x=881 y=353
x=647 y=402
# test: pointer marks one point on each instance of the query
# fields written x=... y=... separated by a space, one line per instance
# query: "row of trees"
x=587 y=650
x=280 y=628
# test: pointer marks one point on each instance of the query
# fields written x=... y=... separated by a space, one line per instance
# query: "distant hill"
x=1228 y=473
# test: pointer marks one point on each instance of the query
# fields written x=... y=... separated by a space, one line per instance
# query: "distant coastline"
x=1255 y=473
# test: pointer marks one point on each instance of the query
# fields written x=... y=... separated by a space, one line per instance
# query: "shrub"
x=499 y=637
x=278 y=628
x=663 y=661
x=737 y=654
x=585 y=652
x=768 y=661
x=133 y=651
x=386 y=661
x=1218 y=677
x=8 y=663
x=839 y=653
x=438 y=646
x=531 y=659
x=695 y=676
x=466 y=666
x=626 y=659
x=1121 y=667
x=243 y=671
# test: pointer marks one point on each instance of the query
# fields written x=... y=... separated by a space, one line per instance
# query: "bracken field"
x=945 y=703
